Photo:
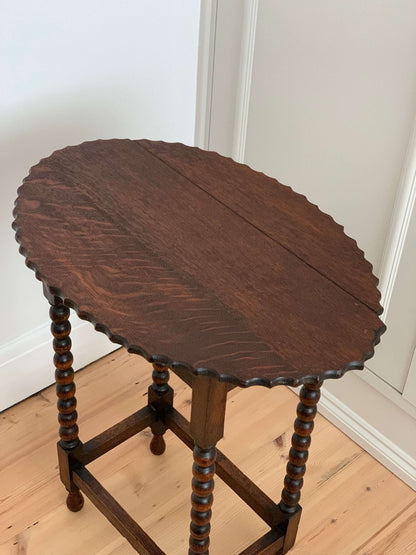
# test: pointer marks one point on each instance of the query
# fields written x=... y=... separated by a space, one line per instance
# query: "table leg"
x=298 y=455
x=160 y=398
x=207 y=428
x=65 y=390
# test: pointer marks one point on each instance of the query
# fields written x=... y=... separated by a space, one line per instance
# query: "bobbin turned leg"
x=160 y=398
x=65 y=390
x=298 y=455
x=207 y=428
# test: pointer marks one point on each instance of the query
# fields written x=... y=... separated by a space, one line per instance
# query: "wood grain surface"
x=199 y=263
x=285 y=216
x=351 y=503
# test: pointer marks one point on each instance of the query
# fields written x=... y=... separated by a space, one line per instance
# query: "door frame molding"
x=400 y=220
x=403 y=210
x=205 y=73
x=248 y=43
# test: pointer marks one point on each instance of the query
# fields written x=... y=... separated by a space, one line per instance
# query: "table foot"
x=157 y=445
x=75 y=501
x=160 y=399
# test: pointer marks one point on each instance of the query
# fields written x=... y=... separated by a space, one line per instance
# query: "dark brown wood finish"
x=110 y=438
x=291 y=530
x=207 y=462
x=64 y=375
x=206 y=267
x=209 y=397
x=301 y=441
x=74 y=500
x=202 y=287
x=251 y=494
x=67 y=403
x=269 y=544
x=287 y=217
x=160 y=398
x=202 y=498
x=118 y=517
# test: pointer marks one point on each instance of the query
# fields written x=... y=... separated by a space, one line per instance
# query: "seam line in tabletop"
x=257 y=228
x=122 y=339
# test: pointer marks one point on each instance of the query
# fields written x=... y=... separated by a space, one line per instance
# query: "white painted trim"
x=387 y=391
x=26 y=342
x=370 y=439
x=248 y=41
x=402 y=211
x=206 y=57
x=409 y=391
x=27 y=361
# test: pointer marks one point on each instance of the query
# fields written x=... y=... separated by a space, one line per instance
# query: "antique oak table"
x=210 y=269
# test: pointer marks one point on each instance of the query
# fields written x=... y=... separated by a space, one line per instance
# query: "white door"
x=322 y=96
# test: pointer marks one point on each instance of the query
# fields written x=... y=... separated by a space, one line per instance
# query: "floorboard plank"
x=341 y=515
x=398 y=537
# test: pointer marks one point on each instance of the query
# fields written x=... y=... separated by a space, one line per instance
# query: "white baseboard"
x=26 y=364
x=369 y=438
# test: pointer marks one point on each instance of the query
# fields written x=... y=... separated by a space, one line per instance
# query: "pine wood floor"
x=351 y=503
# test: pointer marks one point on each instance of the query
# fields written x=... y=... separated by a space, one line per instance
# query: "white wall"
x=72 y=72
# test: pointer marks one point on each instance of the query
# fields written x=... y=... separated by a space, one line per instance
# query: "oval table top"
x=200 y=263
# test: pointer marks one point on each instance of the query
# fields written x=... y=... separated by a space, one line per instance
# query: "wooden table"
x=210 y=269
